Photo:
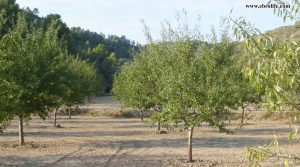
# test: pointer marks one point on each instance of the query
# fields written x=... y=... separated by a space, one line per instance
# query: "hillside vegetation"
x=105 y=52
x=286 y=33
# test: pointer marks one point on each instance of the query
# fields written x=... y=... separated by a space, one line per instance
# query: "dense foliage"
x=274 y=70
x=107 y=53
x=136 y=84
x=273 y=67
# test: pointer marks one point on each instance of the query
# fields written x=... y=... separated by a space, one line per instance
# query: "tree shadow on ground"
x=47 y=134
x=216 y=142
x=264 y=131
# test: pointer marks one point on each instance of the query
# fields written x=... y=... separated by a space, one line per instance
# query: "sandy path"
x=110 y=142
x=118 y=142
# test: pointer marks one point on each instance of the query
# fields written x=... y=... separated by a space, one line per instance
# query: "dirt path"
x=110 y=142
x=114 y=142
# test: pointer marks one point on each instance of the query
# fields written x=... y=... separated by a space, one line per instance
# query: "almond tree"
x=33 y=73
x=245 y=93
x=193 y=84
x=136 y=84
x=197 y=85
x=28 y=58
x=83 y=81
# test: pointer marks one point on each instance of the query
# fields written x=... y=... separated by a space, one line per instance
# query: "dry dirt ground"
x=88 y=140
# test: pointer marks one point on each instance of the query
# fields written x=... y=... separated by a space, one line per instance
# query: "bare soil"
x=88 y=140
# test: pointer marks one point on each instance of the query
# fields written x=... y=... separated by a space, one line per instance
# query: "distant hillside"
x=106 y=52
x=286 y=33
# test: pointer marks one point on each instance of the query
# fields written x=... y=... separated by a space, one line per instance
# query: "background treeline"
x=107 y=53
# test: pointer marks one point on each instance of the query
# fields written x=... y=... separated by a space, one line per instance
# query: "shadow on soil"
x=75 y=160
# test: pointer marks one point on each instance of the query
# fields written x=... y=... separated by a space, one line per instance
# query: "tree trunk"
x=21 y=132
x=157 y=109
x=77 y=108
x=190 y=144
x=158 y=126
x=142 y=115
x=243 y=115
x=69 y=109
x=55 y=113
